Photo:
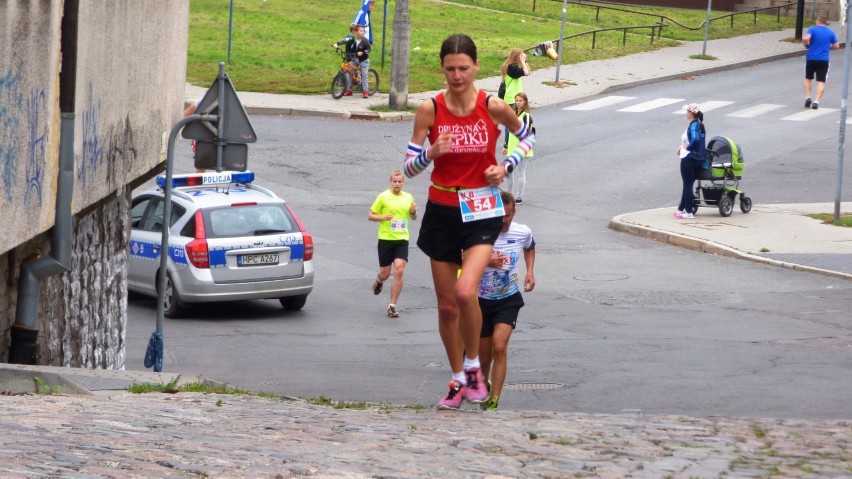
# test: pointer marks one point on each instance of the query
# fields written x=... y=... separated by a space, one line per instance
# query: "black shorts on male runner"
x=443 y=234
x=816 y=68
x=390 y=250
x=496 y=311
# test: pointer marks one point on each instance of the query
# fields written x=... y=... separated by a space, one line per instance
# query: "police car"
x=228 y=240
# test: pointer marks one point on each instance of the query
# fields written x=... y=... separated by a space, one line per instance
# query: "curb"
x=263 y=110
x=710 y=247
x=19 y=379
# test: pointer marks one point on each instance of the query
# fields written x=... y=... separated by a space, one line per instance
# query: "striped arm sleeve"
x=415 y=160
x=524 y=146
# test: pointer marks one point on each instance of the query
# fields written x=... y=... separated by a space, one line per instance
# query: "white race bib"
x=480 y=203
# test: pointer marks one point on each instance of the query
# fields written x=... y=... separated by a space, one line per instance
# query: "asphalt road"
x=616 y=322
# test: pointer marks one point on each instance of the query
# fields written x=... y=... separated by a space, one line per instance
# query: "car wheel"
x=293 y=303
x=173 y=306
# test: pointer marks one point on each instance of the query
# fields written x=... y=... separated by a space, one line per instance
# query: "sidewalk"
x=112 y=433
x=219 y=436
x=776 y=234
x=586 y=79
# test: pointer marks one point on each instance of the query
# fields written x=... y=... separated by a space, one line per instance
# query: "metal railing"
x=602 y=4
x=656 y=31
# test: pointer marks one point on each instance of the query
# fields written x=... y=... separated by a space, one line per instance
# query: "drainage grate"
x=534 y=386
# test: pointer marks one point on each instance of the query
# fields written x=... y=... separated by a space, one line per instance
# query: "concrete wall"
x=29 y=119
x=130 y=78
x=132 y=57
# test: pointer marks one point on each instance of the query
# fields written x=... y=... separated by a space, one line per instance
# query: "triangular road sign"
x=237 y=127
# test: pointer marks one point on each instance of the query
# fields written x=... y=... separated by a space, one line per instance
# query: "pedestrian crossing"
x=631 y=104
x=651 y=105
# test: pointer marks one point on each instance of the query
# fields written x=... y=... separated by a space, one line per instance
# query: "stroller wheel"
x=726 y=205
x=745 y=203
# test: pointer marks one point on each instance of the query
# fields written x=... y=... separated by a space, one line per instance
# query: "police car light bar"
x=212 y=178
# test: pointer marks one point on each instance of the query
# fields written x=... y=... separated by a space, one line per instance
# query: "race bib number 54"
x=480 y=203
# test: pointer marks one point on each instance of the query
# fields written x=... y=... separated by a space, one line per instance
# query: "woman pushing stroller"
x=693 y=154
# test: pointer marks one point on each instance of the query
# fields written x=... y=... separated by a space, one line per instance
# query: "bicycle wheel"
x=338 y=85
x=373 y=81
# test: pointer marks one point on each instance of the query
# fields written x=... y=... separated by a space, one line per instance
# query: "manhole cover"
x=534 y=386
x=600 y=277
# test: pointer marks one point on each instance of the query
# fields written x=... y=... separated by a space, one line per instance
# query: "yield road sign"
x=236 y=126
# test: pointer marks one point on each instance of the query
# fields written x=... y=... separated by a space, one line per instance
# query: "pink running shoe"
x=475 y=391
x=454 y=397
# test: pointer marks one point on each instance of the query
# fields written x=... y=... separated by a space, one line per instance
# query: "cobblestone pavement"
x=208 y=435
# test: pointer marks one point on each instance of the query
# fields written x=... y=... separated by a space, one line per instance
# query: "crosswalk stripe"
x=708 y=105
x=809 y=114
x=705 y=106
x=600 y=103
x=650 y=105
x=755 y=110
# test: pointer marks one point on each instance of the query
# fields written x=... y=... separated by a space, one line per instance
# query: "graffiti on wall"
x=21 y=120
x=35 y=150
x=11 y=104
x=114 y=150
x=93 y=151
x=121 y=152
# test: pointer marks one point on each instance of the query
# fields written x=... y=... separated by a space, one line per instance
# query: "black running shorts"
x=390 y=250
x=816 y=68
x=495 y=311
x=443 y=234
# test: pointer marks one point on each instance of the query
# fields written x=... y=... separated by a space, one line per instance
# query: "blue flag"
x=363 y=18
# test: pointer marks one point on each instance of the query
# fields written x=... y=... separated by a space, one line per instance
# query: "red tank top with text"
x=472 y=152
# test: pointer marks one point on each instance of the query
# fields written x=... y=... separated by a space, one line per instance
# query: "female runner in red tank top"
x=461 y=124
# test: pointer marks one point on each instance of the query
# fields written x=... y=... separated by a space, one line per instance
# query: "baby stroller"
x=718 y=185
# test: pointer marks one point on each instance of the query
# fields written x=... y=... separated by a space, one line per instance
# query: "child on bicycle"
x=358 y=54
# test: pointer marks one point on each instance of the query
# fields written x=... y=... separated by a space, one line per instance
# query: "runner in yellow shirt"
x=393 y=209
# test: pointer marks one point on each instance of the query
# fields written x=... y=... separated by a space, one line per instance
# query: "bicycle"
x=338 y=83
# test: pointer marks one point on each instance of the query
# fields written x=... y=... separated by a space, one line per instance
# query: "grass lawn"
x=845 y=219
x=284 y=46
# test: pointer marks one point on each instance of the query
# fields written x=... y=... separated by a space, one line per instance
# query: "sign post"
x=221 y=146
x=843 y=104
x=561 y=38
x=706 y=27
x=222 y=107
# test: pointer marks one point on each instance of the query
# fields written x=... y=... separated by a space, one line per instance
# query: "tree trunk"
x=400 y=51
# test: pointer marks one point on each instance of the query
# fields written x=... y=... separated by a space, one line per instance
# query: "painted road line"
x=755 y=110
x=809 y=114
x=705 y=106
x=600 y=103
x=650 y=105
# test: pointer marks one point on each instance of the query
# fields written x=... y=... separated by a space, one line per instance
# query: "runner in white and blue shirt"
x=500 y=283
x=500 y=297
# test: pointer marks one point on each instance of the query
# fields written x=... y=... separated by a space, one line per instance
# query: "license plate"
x=257 y=259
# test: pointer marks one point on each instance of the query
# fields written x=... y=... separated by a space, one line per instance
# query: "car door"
x=143 y=248
x=146 y=234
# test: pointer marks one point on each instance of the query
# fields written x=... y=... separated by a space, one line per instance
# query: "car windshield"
x=248 y=220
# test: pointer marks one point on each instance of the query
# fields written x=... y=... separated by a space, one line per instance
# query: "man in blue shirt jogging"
x=819 y=40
